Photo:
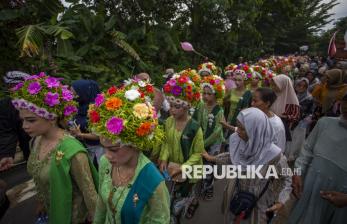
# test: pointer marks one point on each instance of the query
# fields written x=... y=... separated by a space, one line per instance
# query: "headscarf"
x=259 y=149
x=86 y=91
x=286 y=96
x=305 y=95
x=335 y=89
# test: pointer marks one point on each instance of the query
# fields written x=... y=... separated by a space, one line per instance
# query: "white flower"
x=132 y=94
x=150 y=136
x=192 y=110
x=210 y=116
x=175 y=76
x=127 y=82
x=142 y=83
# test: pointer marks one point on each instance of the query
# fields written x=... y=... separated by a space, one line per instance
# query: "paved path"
x=23 y=213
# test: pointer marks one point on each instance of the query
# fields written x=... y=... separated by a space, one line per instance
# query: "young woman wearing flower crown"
x=210 y=116
x=131 y=188
x=64 y=176
x=183 y=144
x=239 y=98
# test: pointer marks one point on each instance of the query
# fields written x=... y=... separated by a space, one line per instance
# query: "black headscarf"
x=87 y=91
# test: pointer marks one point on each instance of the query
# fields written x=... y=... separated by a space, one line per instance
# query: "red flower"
x=197 y=96
x=112 y=90
x=142 y=94
x=212 y=82
x=183 y=79
x=209 y=67
x=245 y=68
x=94 y=116
x=149 y=88
x=167 y=88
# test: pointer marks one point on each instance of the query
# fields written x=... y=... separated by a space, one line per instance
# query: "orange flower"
x=219 y=88
x=144 y=129
x=196 y=78
x=113 y=103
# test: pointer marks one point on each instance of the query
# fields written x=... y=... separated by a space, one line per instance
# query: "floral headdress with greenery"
x=216 y=84
x=230 y=68
x=246 y=71
x=180 y=89
x=259 y=72
x=124 y=114
x=45 y=96
x=208 y=67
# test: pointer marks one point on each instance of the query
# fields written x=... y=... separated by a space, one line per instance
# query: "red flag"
x=332 y=46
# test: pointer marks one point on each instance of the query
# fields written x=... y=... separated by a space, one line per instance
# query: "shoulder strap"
x=141 y=191
x=262 y=191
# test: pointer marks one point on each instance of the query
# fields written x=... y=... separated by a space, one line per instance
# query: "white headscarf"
x=259 y=149
x=286 y=96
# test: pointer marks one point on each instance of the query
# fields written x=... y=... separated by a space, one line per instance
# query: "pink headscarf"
x=286 y=96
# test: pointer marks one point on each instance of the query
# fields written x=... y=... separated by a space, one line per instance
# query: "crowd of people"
x=116 y=156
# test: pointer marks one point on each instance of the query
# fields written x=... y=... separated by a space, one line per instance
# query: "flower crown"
x=259 y=72
x=45 y=96
x=192 y=75
x=269 y=75
x=245 y=71
x=216 y=84
x=208 y=67
x=121 y=114
x=230 y=68
x=181 y=90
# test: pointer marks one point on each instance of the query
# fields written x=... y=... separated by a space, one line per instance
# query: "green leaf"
x=110 y=23
x=30 y=39
x=118 y=39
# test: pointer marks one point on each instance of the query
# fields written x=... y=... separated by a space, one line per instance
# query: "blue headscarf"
x=86 y=91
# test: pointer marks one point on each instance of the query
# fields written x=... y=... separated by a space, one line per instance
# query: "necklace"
x=123 y=180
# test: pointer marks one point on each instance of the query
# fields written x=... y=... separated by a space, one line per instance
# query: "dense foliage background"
x=109 y=40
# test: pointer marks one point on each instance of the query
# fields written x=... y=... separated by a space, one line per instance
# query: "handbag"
x=243 y=202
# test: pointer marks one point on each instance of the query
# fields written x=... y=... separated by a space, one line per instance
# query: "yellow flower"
x=141 y=110
x=59 y=155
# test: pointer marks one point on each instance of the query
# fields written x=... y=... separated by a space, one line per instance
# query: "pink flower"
x=34 y=88
x=217 y=81
x=172 y=82
x=99 y=100
x=67 y=95
x=42 y=74
x=18 y=86
x=52 y=99
x=52 y=82
x=115 y=125
x=70 y=109
x=249 y=75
